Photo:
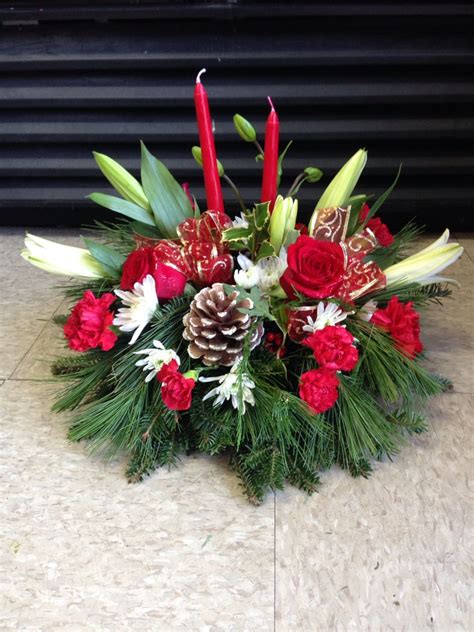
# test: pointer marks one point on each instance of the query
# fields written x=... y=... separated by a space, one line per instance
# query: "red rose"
x=380 y=230
x=403 y=324
x=318 y=388
x=169 y=281
x=333 y=348
x=315 y=268
x=88 y=326
x=176 y=391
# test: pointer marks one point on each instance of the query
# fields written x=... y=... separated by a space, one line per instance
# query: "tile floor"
x=82 y=550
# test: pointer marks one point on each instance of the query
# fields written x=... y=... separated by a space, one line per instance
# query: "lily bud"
x=122 y=181
x=425 y=266
x=244 y=129
x=341 y=186
x=58 y=259
x=282 y=220
x=313 y=174
x=197 y=155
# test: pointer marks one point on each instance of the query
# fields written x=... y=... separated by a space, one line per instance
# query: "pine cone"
x=215 y=327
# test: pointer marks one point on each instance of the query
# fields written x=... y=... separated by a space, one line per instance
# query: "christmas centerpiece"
x=288 y=346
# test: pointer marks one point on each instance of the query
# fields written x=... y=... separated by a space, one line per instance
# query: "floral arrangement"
x=288 y=346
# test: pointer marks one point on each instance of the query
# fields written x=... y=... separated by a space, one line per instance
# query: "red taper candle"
x=270 y=158
x=212 y=181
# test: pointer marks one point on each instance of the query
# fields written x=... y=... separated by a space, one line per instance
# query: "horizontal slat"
x=362 y=129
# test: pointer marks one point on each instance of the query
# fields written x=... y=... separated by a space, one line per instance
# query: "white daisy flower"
x=155 y=359
x=327 y=314
x=234 y=386
x=140 y=303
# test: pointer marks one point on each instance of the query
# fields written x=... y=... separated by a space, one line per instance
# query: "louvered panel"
x=395 y=77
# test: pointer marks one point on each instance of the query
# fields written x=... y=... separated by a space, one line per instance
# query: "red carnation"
x=333 y=348
x=176 y=389
x=169 y=281
x=403 y=324
x=380 y=230
x=315 y=268
x=318 y=388
x=88 y=325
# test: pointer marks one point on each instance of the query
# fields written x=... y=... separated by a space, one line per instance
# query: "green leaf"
x=261 y=214
x=129 y=209
x=261 y=307
x=111 y=260
x=145 y=231
x=356 y=202
x=265 y=250
x=237 y=233
x=168 y=200
x=376 y=205
x=281 y=159
x=122 y=181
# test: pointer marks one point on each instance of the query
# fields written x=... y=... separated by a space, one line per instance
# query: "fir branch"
x=399 y=249
x=419 y=295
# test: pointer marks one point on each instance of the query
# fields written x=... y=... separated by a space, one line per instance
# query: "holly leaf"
x=261 y=305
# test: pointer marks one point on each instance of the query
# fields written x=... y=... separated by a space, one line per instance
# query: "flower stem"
x=259 y=147
x=296 y=181
x=236 y=191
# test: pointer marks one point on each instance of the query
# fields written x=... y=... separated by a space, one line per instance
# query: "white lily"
x=140 y=305
x=59 y=259
x=424 y=266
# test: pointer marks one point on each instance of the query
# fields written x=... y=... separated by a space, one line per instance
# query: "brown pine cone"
x=215 y=327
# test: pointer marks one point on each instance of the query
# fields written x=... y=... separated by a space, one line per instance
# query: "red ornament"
x=298 y=318
x=200 y=254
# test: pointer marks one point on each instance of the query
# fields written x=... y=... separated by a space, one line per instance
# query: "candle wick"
x=201 y=72
x=271 y=103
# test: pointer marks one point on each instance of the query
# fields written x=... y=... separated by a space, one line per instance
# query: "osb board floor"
x=184 y=551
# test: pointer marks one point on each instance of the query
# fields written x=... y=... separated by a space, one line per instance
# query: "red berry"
x=270 y=337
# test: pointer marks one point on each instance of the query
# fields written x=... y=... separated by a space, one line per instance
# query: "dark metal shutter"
x=395 y=77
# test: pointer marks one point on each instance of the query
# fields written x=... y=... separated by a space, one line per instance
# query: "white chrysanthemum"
x=327 y=314
x=240 y=222
x=247 y=276
x=156 y=358
x=265 y=274
x=234 y=386
x=140 y=305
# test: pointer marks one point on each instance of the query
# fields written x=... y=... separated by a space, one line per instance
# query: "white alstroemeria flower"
x=140 y=303
x=156 y=358
x=270 y=269
x=59 y=259
x=367 y=311
x=234 y=386
x=265 y=273
x=240 y=222
x=248 y=275
x=326 y=314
